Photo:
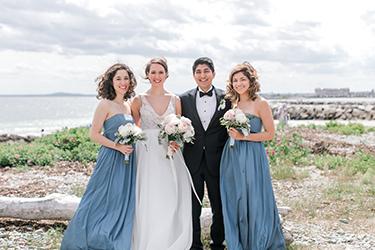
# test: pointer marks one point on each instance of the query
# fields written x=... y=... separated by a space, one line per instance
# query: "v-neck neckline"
x=166 y=109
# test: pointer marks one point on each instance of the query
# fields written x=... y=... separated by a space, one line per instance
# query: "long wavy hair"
x=105 y=83
x=251 y=74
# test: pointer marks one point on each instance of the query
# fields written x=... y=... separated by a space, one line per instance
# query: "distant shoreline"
x=269 y=96
x=49 y=95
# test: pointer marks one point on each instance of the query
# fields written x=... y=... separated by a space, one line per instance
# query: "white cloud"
x=53 y=46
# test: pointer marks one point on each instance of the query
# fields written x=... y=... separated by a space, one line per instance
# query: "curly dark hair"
x=251 y=74
x=105 y=83
x=157 y=60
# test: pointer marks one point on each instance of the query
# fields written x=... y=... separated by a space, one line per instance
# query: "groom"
x=204 y=106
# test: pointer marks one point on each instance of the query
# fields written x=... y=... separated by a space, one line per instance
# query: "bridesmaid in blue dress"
x=104 y=217
x=251 y=218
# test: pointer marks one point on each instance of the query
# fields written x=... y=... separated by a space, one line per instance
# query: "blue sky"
x=297 y=45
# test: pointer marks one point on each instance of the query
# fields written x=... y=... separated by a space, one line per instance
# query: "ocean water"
x=36 y=115
x=30 y=115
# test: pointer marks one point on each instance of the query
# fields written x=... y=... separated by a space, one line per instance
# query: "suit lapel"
x=193 y=100
x=218 y=99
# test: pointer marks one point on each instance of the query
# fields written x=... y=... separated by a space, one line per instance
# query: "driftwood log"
x=62 y=207
x=52 y=207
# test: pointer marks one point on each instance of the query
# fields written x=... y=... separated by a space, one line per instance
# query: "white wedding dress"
x=163 y=216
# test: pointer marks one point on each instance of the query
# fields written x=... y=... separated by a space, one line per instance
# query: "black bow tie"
x=209 y=93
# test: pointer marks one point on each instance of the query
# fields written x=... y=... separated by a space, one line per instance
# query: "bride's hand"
x=174 y=146
x=125 y=149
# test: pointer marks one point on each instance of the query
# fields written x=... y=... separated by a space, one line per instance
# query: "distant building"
x=363 y=94
x=321 y=93
x=343 y=92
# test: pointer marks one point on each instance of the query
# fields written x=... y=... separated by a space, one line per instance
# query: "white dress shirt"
x=206 y=106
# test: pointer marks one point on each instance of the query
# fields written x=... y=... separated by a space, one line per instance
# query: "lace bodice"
x=149 y=118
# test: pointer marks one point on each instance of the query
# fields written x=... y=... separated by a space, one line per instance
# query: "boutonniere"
x=221 y=105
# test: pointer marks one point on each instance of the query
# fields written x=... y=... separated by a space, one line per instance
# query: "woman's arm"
x=265 y=114
x=100 y=115
x=135 y=108
x=178 y=105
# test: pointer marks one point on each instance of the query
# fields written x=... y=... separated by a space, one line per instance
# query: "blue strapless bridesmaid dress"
x=251 y=218
x=104 y=217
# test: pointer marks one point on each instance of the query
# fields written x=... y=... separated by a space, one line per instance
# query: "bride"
x=163 y=192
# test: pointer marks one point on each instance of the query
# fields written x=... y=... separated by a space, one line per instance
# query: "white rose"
x=185 y=120
x=137 y=131
x=171 y=128
x=222 y=104
x=241 y=118
x=189 y=133
x=169 y=118
x=125 y=130
x=183 y=127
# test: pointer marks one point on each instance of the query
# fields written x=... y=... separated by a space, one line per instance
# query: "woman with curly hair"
x=251 y=218
x=104 y=217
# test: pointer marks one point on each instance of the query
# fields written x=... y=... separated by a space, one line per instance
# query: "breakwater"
x=324 y=110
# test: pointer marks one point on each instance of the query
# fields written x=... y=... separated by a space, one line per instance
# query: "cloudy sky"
x=297 y=45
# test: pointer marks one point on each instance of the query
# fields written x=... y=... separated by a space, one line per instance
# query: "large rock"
x=308 y=110
x=13 y=138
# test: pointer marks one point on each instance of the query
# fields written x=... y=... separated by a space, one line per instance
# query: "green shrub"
x=348 y=129
x=85 y=152
x=329 y=161
x=288 y=150
x=69 y=144
x=283 y=172
x=369 y=177
x=360 y=163
x=66 y=139
x=21 y=154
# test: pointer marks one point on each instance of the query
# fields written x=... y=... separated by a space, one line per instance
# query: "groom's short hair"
x=204 y=60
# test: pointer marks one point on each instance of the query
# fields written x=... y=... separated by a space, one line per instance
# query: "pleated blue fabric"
x=251 y=218
x=104 y=217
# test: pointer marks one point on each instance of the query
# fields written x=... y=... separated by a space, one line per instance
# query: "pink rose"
x=230 y=115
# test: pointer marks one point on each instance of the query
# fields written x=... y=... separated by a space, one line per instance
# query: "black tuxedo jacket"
x=209 y=142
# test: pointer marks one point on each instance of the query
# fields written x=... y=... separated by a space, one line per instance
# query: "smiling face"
x=203 y=76
x=157 y=74
x=241 y=83
x=121 y=82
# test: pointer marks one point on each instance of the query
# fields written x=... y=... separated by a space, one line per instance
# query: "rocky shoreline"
x=12 y=137
x=329 y=110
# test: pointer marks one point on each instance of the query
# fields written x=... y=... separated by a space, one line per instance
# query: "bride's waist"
x=152 y=135
x=151 y=131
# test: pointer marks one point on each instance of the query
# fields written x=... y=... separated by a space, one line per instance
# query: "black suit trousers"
x=213 y=189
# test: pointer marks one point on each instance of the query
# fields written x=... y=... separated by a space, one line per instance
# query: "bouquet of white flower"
x=129 y=134
x=178 y=129
x=235 y=118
